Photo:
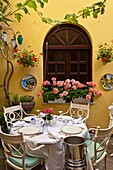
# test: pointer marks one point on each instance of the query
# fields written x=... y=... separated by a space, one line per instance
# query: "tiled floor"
x=109 y=159
x=100 y=165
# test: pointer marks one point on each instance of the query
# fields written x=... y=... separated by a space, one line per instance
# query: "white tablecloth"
x=53 y=150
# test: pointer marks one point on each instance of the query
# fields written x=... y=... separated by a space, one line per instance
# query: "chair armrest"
x=64 y=113
x=37 y=148
x=25 y=115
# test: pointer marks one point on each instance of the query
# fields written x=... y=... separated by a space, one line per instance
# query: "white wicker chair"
x=15 y=152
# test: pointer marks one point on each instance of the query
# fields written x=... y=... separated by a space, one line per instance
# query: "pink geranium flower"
x=68 y=89
x=39 y=93
x=46 y=82
x=55 y=91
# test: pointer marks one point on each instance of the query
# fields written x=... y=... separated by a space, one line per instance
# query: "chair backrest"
x=11 y=145
x=79 y=110
x=13 y=113
x=101 y=140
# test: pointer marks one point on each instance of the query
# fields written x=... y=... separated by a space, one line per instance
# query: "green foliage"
x=73 y=18
x=3 y=123
x=6 y=11
x=26 y=58
x=15 y=98
x=21 y=98
x=26 y=98
x=95 y=10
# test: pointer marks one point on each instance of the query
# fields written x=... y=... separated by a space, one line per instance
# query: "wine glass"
x=60 y=112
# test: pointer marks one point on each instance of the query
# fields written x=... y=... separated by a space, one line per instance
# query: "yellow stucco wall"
x=34 y=32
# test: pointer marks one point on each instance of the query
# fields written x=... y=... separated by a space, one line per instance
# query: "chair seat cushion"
x=91 y=149
x=30 y=161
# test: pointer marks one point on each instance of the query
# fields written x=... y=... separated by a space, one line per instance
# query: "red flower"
x=48 y=110
x=26 y=58
x=16 y=50
x=19 y=62
x=32 y=65
x=104 y=58
x=24 y=55
x=34 y=58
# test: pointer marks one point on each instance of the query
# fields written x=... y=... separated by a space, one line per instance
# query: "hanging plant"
x=26 y=58
x=105 y=52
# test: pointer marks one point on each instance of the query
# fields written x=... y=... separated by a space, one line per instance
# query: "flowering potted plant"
x=68 y=90
x=26 y=58
x=48 y=114
x=105 y=52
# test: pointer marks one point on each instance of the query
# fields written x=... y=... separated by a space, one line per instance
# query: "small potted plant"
x=27 y=101
x=26 y=58
x=105 y=52
x=48 y=115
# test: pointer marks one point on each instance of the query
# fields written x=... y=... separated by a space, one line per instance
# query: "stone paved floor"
x=100 y=165
x=109 y=159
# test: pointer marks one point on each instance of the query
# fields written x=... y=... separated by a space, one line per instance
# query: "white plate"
x=29 y=130
x=28 y=118
x=61 y=118
x=71 y=129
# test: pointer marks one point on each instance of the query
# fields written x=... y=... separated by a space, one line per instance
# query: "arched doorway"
x=67 y=53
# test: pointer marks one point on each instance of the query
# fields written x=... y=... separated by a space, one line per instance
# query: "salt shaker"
x=33 y=120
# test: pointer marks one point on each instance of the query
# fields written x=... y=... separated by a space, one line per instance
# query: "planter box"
x=80 y=100
x=60 y=100
x=28 y=106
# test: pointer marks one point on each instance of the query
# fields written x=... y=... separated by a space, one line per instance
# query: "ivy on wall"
x=6 y=11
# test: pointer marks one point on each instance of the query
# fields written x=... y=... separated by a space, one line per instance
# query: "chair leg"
x=94 y=166
x=6 y=165
x=105 y=162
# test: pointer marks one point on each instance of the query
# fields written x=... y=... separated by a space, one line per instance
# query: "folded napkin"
x=78 y=120
x=55 y=135
x=88 y=160
x=42 y=114
x=18 y=123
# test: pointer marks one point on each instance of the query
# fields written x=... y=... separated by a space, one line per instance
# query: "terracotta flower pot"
x=103 y=61
x=28 y=106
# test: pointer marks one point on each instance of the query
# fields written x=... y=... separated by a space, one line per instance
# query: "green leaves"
x=85 y=12
x=94 y=10
x=31 y=4
x=72 y=18
x=18 y=16
x=42 y=2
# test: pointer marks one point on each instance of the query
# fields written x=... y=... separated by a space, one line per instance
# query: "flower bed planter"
x=80 y=100
x=28 y=106
x=60 y=100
